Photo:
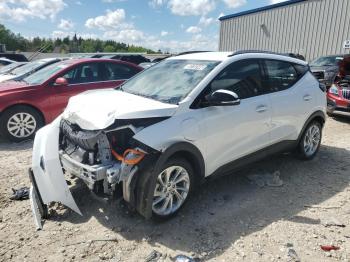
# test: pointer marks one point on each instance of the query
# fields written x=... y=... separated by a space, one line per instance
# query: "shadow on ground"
x=229 y=207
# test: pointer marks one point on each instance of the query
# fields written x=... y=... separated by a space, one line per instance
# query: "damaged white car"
x=162 y=132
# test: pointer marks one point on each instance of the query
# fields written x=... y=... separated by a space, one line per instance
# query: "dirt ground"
x=233 y=218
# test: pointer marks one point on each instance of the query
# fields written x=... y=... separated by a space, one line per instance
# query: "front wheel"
x=20 y=123
x=174 y=184
x=310 y=141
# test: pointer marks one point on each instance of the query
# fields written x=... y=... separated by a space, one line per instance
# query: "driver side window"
x=242 y=77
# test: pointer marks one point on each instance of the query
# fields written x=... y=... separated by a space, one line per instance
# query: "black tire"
x=25 y=111
x=180 y=162
x=302 y=149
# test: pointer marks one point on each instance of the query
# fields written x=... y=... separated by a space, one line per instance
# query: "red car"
x=338 y=95
x=27 y=105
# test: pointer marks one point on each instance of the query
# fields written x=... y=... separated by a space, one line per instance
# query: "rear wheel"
x=174 y=185
x=20 y=123
x=310 y=141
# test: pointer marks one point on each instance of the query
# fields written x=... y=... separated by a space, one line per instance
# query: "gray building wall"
x=312 y=28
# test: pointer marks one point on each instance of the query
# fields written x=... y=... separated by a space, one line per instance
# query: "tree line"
x=75 y=44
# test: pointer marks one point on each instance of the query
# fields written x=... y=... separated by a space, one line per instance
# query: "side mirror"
x=223 y=97
x=61 y=81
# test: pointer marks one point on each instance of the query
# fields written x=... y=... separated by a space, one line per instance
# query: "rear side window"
x=301 y=69
x=242 y=77
x=115 y=71
x=280 y=75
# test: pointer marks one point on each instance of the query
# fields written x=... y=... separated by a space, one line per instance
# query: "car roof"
x=72 y=61
x=222 y=56
x=209 y=56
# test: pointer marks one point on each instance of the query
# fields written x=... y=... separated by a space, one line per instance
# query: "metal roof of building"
x=257 y=10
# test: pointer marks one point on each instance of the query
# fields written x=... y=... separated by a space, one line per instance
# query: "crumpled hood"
x=95 y=110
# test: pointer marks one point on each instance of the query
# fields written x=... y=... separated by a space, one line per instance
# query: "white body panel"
x=6 y=77
x=47 y=168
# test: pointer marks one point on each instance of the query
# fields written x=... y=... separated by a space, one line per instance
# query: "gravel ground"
x=257 y=214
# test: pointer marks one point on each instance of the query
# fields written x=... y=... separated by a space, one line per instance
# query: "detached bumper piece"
x=39 y=209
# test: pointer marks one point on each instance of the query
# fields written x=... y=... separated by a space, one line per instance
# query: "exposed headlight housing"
x=334 y=90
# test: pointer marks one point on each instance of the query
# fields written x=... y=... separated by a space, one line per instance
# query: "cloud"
x=21 y=10
x=164 y=33
x=127 y=35
x=276 y=1
x=206 y=21
x=111 y=20
x=191 y=7
x=195 y=7
x=78 y=3
x=65 y=24
x=235 y=3
x=193 y=30
x=61 y=34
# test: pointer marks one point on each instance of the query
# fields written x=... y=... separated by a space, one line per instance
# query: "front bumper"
x=47 y=178
x=335 y=103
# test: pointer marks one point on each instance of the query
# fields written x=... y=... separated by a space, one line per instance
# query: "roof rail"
x=240 y=52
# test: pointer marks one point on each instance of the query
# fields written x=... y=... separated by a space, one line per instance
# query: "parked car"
x=14 y=57
x=338 y=95
x=182 y=120
x=22 y=72
x=326 y=68
x=7 y=69
x=27 y=105
x=5 y=62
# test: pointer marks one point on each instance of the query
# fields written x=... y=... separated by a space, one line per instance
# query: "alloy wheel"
x=172 y=188
x=312 y=140
x=21 y=125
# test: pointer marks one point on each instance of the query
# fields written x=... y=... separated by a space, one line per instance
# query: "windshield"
x=28 y=67
x=44 y=74
x=327 y=61
x=9 y=68
x=169 y=81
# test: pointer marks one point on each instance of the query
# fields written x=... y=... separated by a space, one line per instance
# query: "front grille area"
x=346 y=93
x=319 y=75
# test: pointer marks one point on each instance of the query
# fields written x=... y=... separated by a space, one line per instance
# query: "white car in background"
x=180 y=121
x=22 y=72
x=10 y=67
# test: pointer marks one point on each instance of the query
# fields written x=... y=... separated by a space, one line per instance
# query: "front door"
x=232 y=132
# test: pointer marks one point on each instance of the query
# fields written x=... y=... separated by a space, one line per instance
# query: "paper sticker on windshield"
x=339 y=58
x=195 y=67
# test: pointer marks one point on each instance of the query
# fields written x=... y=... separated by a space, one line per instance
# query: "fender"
x=317 y=114
x=152 y=165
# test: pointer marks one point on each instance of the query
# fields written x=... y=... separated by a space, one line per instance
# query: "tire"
x=172 y=195
x=20 y=123
x=310 y=141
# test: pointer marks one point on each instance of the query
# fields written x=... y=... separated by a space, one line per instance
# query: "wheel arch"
x=144 y=186
x=318 y=116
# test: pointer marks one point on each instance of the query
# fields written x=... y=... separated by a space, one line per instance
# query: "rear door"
x=291 y=98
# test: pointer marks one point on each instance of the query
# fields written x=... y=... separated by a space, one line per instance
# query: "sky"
x=168 y=25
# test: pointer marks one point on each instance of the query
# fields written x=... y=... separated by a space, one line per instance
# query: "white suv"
x=189 y=117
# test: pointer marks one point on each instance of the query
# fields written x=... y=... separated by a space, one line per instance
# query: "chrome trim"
x=97 y=82
x=346 y=93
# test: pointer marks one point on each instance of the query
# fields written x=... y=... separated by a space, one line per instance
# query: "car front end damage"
x=107 y=161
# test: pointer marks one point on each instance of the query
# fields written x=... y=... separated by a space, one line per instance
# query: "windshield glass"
x=28 y=67
x=327 y=61
x=9 y=68
x=169 y=81
x=44 y=74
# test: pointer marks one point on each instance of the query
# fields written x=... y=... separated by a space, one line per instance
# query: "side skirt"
x=281 y=147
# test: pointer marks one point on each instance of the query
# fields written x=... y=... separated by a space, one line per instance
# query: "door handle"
x=307 y=97
x=261 y=109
